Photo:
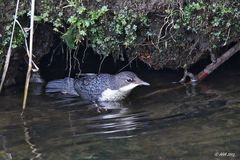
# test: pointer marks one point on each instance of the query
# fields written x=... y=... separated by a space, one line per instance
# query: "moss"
x=160 y=33
x=217 y=21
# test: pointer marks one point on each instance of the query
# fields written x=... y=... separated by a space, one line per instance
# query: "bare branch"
x=30 y=55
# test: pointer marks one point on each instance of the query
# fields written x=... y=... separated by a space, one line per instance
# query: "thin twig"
x=30 y=55
x=9 y=49
x=100 y=66
x=128 y=63
x=85 y=50
x=193 y=47
x=53 y=53
x=227 y=37
x=27 y=49
x=76 y=60
x=66 y=67
x=70 y=62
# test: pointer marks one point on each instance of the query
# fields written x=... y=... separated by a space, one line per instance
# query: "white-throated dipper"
x=98 y=87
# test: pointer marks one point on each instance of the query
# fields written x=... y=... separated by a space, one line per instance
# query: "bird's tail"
x=65 y=85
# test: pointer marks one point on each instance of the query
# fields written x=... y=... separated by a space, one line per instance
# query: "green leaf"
x=104 y=9
x=81 y=9
x=69 y=38
x=38 y=18
x=87 y=23
x=72 y=19
x=82 y=33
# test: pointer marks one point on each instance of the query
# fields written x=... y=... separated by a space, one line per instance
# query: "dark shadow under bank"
x=60 y=63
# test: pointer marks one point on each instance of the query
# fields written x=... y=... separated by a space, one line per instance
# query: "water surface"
x=162 y=122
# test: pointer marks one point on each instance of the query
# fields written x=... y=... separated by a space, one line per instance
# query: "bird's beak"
x=142 y=83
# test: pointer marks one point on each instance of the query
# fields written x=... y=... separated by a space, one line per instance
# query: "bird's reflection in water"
x=117 y=119
x=111 y=119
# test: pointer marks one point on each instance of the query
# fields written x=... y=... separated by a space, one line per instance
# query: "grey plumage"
x=92 y=87
x=65 y=85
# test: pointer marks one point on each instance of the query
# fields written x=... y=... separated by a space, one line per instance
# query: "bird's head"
x=123 y=83
x=126 y=81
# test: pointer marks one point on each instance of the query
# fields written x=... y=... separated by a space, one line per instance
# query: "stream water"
x=162 y=122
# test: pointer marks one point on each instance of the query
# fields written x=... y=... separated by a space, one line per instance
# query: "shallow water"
x=162 y=122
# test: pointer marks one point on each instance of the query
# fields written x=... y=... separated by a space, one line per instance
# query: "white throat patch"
x=116 y=95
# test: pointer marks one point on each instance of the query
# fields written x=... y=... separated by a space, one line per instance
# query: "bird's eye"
x=129 y=80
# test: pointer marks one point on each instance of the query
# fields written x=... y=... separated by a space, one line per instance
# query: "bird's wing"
x=91 y=86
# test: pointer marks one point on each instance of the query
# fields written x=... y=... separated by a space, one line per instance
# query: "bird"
x=98 y=87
